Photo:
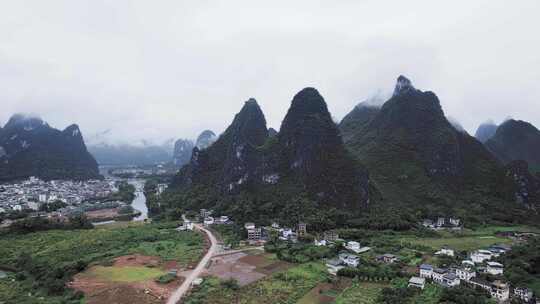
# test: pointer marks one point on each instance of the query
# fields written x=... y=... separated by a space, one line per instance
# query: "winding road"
x=177 y=295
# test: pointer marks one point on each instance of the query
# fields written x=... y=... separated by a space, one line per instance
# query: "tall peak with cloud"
x=412 y=150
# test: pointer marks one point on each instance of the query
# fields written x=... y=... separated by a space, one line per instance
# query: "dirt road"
x=177 y=295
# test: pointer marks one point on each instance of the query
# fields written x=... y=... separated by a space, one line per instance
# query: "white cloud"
x=161 y=69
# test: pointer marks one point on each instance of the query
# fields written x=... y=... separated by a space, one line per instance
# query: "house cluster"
x=208 y=218
x=346 y=258
x=452 y=223
x=160 y=188
x=468 y=274
x=135 y=172
x=31 y=194
x=186 y=225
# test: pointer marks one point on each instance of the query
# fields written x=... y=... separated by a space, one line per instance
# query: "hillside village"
x=477 y=269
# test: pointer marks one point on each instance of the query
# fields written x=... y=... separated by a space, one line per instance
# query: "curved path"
x=177 y=295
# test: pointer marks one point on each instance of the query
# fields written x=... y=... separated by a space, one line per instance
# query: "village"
x=56 y=198
x=477 y=269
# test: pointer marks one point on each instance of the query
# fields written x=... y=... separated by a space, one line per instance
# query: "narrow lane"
x=176 y=297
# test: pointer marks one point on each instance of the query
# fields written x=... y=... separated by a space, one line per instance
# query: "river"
x=139 y=203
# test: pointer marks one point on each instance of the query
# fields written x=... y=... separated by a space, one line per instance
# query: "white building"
x=350 y=260
x=450 y=280
x=445 y=251
x=426 y=271
x=333 y=266
x=495 y=268
x=438 y=274
x=500 y=291
x=480 y=256
x=34 y=205
x=186 y=225
x=161 y=188
x=320 y=243
x=208 y=221
x=417 y=282
x=465 y=273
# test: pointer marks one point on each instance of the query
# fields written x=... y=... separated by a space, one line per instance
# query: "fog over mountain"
x=148 y=71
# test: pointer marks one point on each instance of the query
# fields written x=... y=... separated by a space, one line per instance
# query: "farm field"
x=467 y=240
x=125 y=274
x=361 y=293
x=466 y=243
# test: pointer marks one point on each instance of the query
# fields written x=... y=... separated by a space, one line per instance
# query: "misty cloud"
x=170 y=69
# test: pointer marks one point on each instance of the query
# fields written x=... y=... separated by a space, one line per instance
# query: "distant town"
x=57 y=199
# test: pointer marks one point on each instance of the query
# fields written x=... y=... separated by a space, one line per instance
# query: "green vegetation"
x=23 y=292
x=465 y=243
x=361 y=293
x=126 y=192
x=125 y=274
x=50 y=207
x=464 y=295
x=33 y=224
x=229 y=234
x=299 y=252
x=47 y=260
x=166 y=278
x=522 y=265
x=283 y=287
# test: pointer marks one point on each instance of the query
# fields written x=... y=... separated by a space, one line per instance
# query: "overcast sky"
x=162 y=69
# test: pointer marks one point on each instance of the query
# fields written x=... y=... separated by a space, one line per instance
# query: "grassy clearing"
x=286 y=287
x=125 y=274
x=361 y=293
x=467 y=243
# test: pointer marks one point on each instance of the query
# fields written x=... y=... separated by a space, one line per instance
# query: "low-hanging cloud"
x=156 y=70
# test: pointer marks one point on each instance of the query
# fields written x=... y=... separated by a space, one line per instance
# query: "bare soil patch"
x=102 y=214
x=244 y=267
x=98 y=290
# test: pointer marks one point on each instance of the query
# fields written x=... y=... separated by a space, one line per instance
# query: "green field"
x=467 y=243
x=125 y=274
x=361 y=293
x=47 y=260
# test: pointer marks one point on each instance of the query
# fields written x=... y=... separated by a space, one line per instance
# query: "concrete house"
x=350 y=260
x=208 y=221
x=334 y=265
x=445 y=251
x=417 y=282
x=500 y=291
x=387 y=258
x=494 y=268
x=479 y=256
x=437 y=275
x=465 y=273
x=426 y=271
x=352 y=245
x=450 y=280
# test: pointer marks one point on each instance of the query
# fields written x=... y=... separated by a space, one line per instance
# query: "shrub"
x=166 y=278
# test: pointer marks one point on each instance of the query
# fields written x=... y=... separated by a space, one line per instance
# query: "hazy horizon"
x=155 y=72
